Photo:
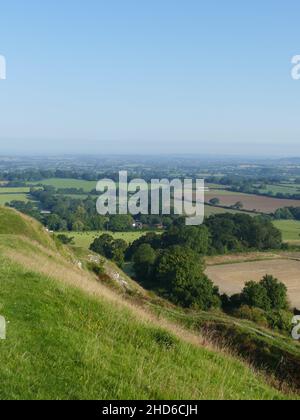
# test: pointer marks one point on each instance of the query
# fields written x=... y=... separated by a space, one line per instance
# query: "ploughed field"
x=231 y=278
x=251 y=202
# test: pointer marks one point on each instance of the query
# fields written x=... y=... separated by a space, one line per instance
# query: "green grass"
x=14 y=190
x=210 y=210
x=7 y=198
x=285 y=189
x=87 y=186
x=13 y=223
x=290 y=229
x=84 y=239
x=87 y=343
x=62 y=344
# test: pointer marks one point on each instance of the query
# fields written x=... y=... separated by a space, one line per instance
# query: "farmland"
x=87 y=186
x=231 y=278
x=251 y=202
x=290 y=229
x=6 y=198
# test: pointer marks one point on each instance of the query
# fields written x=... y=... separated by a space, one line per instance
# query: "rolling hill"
x=71 y=336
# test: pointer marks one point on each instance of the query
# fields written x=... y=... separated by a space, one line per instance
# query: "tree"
x=194 y=237
x=269 y=294
x=214 y=201
x=179 y=274
x=277 y=292
x=255 y=295
x=121 y=223
x=238 y=205
x=144 y=259
x=110 y=248
x=78 y=226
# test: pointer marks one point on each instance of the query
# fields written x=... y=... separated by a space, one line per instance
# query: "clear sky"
x=159 y=76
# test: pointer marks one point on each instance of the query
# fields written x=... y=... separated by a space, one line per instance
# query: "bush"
x=256 y=315
x=269 y=294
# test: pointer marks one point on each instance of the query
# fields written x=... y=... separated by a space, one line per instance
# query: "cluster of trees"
x=265 y=303
x=172 y=263
x=287 y=213
x=113 y=249
x=269 y=295
x=240 y=232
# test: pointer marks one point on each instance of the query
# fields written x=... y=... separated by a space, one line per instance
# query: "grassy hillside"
x=70 y=337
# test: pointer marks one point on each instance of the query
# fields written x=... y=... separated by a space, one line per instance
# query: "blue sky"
x=124 y=76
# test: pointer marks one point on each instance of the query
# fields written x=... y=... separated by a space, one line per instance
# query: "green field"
x=84 y=239
x=284 y=189
x=14 y=190
x=6 y=198
x=87 y=186
x=290 y=229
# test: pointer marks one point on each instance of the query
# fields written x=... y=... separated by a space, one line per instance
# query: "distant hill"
x=70 y=336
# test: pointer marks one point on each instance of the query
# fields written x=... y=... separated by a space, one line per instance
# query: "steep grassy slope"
x=70 y=337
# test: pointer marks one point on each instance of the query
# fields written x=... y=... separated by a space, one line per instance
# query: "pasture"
x=290 y=229
x=7 y=198
x=231 y=278
x=87 y=186
x=14 y=190
x=281 y=188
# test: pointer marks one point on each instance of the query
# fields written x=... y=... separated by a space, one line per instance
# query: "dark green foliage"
x=144 y=259
x=179 y=274
x=151 y=239
x=238 y=232
x=120 y=223
x=269 y=294
x=194 y=237
x=110 y=248
x=64 y=239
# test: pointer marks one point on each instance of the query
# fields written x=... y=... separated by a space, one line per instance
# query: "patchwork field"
x=231 y=278
x=251 y=202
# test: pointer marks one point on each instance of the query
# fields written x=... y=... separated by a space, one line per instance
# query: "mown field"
x=231 y=278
